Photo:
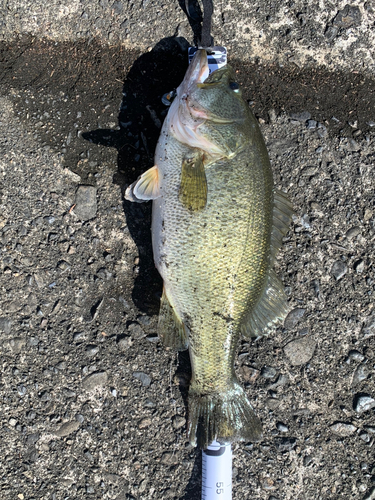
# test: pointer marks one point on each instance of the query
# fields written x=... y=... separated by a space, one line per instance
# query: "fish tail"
x=224 y=417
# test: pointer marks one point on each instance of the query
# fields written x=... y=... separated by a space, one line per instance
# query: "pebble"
x=136 y=330
x=91 y=350
x=368 y=329
x=361 y=373
x=293 y=318
x=359 y=266
x=124 y=343
x=364 y=403
x=311 y=124
x=300 y=351
x=169 y=458
x=343 y=429
x=354 y=355
x=144 y=423
x=282 y=427
x=178 y=421
x=268 y=372
x=5 y=325
x=86 y=204
x=281 y=380
x=353 y=232
x=12 y=422
x=142 y=377
x=285 y=444
x=96 y=379
x=249 y=374
x=16 y=344
x=67 y=428
x=349 y=16
x=301 y=117
x=365 y=437
x=339 y=269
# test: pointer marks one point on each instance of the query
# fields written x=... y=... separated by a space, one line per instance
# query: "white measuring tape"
x=217 y=472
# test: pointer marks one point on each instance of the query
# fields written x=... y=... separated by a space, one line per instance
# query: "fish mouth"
x=197 y=73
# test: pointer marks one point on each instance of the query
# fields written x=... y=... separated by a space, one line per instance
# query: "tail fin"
x=224 y=417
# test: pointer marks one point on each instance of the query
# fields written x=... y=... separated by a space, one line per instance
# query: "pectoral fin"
x=146 y=187
x=170 y=328
x=193 y=187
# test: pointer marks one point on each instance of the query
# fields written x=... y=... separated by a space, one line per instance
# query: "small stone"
x=349 y=16
x=249 y=374
x=142 y=377
x=307 y=460
x=136 y=331
x=124 y=343
x=353 y=232
x=300 y=351
x=339 y=269
x=178 y=421
x=272 y=115
x=281 y=427
x=91 y=350
x=359 y=266
x=86 y=204
x=301 y=117
x=96 y=379
x=281 y=381
x=69 y=393
x=272 y=403
x=311 y=124
x=5 y=325
x=268 y=372
x=363 y=403
x=169 y=458
x=285 y=444
x=16 y=344
x=67 y=428
x=293 y=318
x=365 y=437
x=144 y=423
x=32 y=438
x=12 y=422
x=368 y=329
x=331 y=32
x=342 y=429
x=355 y=355
x=361 y=373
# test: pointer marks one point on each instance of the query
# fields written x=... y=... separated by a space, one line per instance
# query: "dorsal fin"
x=272 y=306
x=282 y=215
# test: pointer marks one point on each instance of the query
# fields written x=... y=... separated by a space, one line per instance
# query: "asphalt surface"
x=92 y=405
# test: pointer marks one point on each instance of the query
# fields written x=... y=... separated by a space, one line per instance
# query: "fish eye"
x=234 y=86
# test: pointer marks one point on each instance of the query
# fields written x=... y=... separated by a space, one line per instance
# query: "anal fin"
x=271 y=308
x=170 y=328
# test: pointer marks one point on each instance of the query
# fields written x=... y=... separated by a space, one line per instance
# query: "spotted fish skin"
x=216 y=226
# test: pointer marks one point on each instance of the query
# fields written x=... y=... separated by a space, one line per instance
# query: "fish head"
x=209 y=112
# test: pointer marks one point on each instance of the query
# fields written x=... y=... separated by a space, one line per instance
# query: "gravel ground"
x=92 y=406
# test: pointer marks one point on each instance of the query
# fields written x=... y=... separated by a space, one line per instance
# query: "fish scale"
x=217 y=224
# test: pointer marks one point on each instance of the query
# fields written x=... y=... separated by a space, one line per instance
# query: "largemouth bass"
x=217 y=223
